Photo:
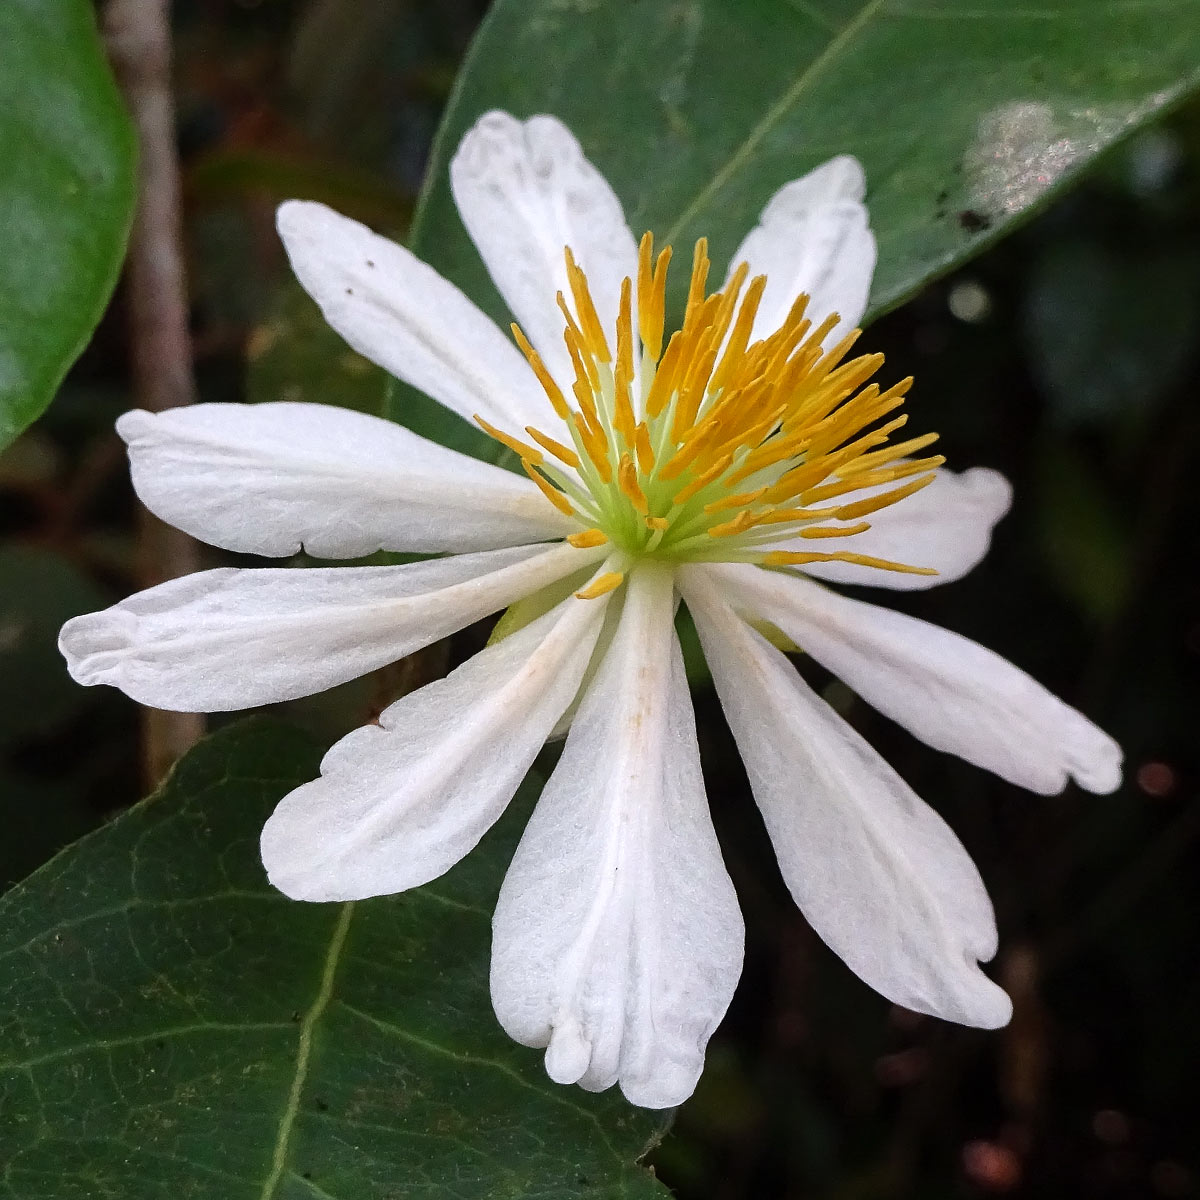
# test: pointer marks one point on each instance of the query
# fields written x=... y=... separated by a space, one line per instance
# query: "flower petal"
x=879 y=875
x=234 y=638
x=525 y=191
x=617 y=937
x=274 y=479
x=399 y=803
x=952 y=693
x=404 y=316
x=947 y=525
x=813 y=236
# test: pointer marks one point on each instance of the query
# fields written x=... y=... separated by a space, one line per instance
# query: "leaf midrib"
x=746 y=147
x=287 y=1119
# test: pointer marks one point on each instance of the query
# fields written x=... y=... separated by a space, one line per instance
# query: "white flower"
x=727 y=469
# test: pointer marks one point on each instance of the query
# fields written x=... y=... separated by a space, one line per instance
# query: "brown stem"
x=139 y=41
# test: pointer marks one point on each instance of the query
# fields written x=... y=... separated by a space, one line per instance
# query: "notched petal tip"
x=94 y=644
x=499 y=146
x=568 y=1053
x=844 y=176
x=659 y=1082
x=838 y=183
x=1096 y=760
x=493 y=140
x=987 y=1005
x=665 y=1085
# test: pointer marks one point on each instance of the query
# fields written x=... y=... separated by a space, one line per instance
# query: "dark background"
x=1067 y=357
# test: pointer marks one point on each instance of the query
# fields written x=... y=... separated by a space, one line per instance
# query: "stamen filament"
x=716 y=448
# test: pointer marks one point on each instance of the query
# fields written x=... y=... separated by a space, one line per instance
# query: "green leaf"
x=173 y=1026
x=966 y=115
x=66 y=197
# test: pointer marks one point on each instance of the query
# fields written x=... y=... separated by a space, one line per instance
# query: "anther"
x=601 y=585
x=563 y=453
x=587 y=538
x=551 y=493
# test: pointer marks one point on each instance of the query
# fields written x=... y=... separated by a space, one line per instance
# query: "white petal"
x=525 y=191
x=879 y=875
x=273 y=479
x=233 y=638
x=950 y=692
x=813 y=236
x=617 y=937
x=404 y=316
x=399 y=803
x=947 y=525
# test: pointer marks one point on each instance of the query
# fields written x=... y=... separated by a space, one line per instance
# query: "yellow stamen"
x=582 y=358
x=651 y=294
x=839 y=487
x=627 y=478
x=588 y=319
x=834 y=435
x=553 y=392
x=787 y=558
x=741 y=500
x=740 y=337
x=623 y=417
x=868 y=462
x=551 y=493
x=594 y=443
x=692 y=391
x=699 y=278
x=872 y=504
x=562 y=453
x=601 y=585
x=587 y=538
x=739 y=524
x=660 y=391
x=521 y=449
x=718 y=436
x=789 y=516
x=645 y=452
x=702 y=481
x=729 y=298
x=827 y=531
x=698 y=440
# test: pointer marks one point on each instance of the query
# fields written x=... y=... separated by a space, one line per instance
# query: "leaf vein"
x=476 y=1061
x=774 y=115
x=316 y=1010
x=139 y=1039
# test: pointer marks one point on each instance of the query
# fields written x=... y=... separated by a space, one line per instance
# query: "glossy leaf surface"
x=66 y=197
x=966 y=114
x=175 y=1026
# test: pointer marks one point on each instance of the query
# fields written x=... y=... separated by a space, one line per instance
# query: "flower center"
x=717 y=448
